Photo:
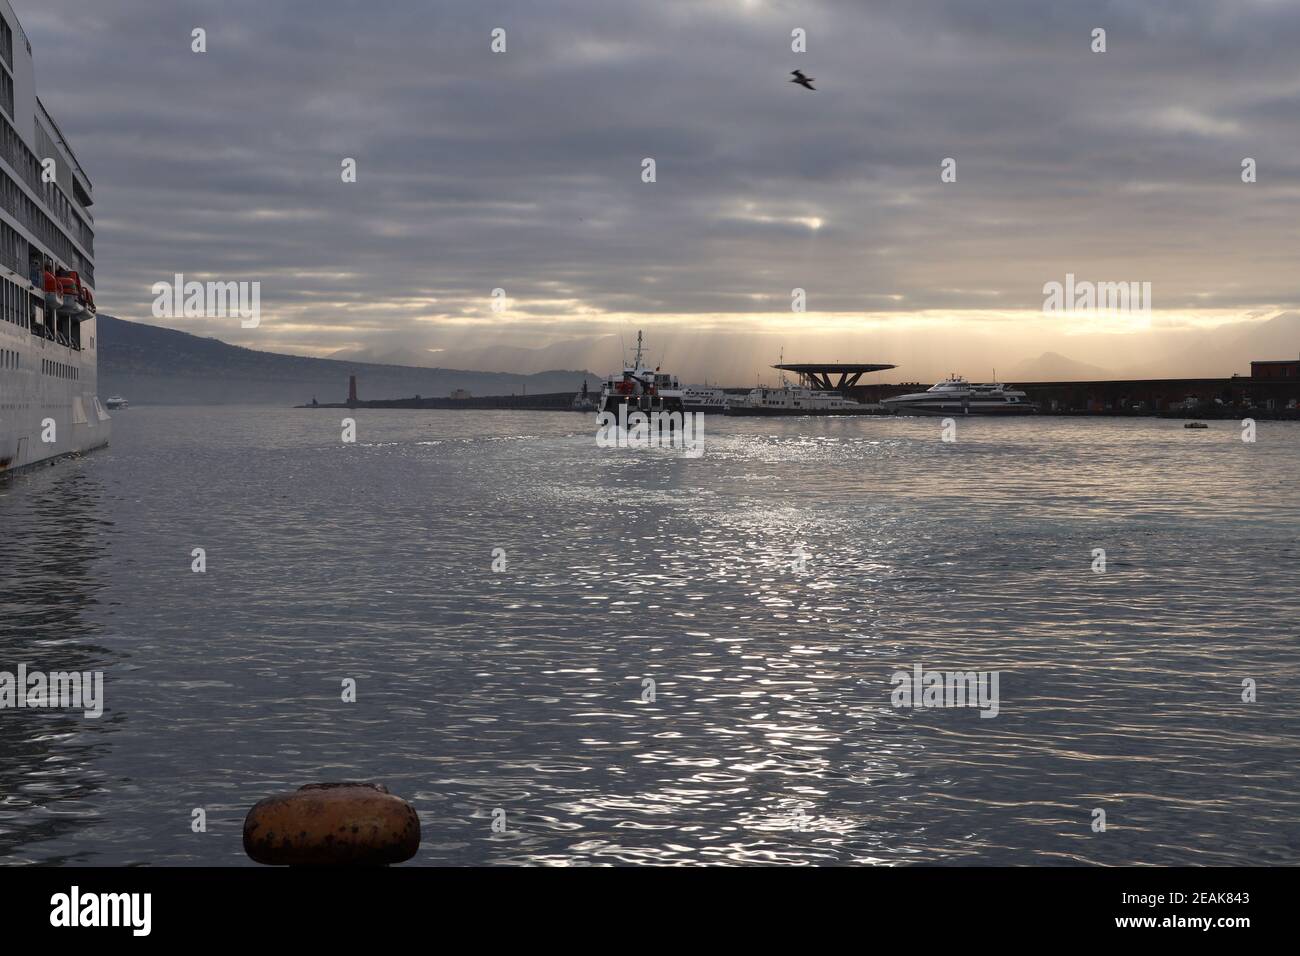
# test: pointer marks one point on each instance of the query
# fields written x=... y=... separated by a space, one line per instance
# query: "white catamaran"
x=48 y=401
x=956 y=396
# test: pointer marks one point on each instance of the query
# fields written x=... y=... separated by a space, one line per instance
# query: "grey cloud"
x=522 y=171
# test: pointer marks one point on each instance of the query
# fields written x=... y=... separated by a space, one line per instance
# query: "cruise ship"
x=48 y=401
x=956 y=396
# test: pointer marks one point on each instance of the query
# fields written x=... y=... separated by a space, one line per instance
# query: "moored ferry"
x=797 y=400
x=49 y=406
x=704 y=398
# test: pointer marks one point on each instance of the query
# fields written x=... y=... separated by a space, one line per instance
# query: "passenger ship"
x=704 y=398
x=956 y=396
x=48 y=401
x=797 y=400
x=640 y=388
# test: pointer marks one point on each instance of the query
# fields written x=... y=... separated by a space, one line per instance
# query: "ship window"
x=6 y=42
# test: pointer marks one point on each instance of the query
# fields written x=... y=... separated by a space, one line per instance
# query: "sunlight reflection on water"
x=770 y=739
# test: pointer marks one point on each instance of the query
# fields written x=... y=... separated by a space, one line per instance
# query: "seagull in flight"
x=803 y=80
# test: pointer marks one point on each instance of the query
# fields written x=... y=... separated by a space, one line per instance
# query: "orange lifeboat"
x=70 y=289
x=53 y=297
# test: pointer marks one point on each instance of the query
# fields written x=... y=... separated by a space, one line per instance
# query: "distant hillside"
x=1055 y=367
x=151 y=365
x=596 y=351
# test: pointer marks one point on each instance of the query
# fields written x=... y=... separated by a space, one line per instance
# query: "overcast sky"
x=522 y=170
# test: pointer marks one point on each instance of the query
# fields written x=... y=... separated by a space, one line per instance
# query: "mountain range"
x=152 y=365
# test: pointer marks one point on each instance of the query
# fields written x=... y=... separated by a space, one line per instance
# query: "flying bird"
x=803 y=80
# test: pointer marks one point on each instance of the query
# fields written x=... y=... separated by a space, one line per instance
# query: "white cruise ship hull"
x=47 y=391
x=49 y=407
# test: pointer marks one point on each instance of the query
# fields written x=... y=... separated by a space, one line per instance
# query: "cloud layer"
x=522 y=170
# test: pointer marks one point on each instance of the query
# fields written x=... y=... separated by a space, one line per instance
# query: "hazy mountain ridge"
x=489 y=358
x=1055 y=367
x=153 y=365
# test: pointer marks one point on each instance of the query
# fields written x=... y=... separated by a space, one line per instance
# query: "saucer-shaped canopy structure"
x=818 y=374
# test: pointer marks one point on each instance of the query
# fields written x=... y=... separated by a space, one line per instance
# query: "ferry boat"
x=117 y=401
x=956 y=396
x=640 y=388
x=48 y=343
x=704 y=398
x=797 y=400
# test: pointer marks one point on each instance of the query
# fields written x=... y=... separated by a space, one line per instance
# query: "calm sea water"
x=770 y=739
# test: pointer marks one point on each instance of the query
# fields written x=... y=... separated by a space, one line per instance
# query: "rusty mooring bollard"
x=332 y=824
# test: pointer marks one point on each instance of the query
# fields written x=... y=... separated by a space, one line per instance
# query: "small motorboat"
x=1196 y=425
